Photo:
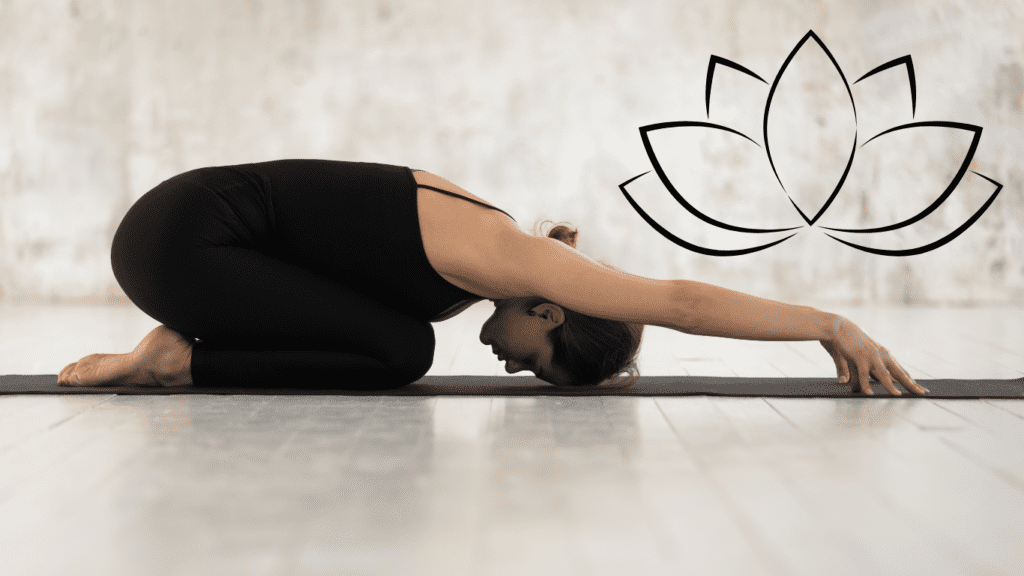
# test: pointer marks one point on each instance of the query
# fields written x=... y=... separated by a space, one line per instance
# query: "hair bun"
x=565 y=234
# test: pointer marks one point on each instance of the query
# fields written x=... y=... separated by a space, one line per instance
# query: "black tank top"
x=355 y=223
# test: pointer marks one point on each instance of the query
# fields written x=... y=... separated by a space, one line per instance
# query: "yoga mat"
x=530 y=386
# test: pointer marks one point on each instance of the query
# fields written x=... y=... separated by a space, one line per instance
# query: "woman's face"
x=518 y=334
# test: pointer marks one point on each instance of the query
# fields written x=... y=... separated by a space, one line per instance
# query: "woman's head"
x=560 y=345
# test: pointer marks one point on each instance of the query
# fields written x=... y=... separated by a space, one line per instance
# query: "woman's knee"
x=412 y=352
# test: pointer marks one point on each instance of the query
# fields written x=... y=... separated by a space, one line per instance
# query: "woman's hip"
x=204 y=207
x=161 y=234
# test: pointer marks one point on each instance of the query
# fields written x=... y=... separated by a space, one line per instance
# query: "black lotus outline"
x=908 y=64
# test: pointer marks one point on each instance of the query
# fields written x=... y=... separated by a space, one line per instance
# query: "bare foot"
x=163 y=358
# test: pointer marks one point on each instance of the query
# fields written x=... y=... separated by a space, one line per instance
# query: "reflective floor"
x=250 y=485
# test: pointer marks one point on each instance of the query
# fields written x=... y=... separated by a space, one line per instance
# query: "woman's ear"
x=550 y=312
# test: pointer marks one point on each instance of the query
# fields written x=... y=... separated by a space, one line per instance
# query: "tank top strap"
x=464 y=198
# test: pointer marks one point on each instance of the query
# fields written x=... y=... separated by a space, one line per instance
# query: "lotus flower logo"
x=832 y=143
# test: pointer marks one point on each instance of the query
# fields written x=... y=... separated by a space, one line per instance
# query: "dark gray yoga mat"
x=530 y=386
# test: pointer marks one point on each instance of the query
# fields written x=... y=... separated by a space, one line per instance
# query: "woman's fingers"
x=901 y=375
x=859 y=379
x=883 y=376
x=860 y=358
x=864 y=378
x=886 y=371
x=842 y=371
x=863 y=373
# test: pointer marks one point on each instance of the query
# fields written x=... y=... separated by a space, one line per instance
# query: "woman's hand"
x=858 y=358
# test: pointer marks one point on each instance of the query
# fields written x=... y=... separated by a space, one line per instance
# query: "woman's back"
x=357 y=224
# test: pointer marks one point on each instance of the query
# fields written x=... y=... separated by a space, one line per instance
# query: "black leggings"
x=193 y=253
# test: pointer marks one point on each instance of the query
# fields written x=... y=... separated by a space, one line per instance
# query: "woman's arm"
x=708 y=310
x=523 y=265
x=530 y=266
x=714 y=311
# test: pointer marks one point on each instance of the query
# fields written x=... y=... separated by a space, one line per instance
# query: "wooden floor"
x=251 y=485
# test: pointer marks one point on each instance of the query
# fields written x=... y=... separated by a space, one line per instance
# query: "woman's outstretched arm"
x=523 y=265
x=714 y=311
x=708 y=310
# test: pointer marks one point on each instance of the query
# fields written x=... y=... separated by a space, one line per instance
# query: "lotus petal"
x=700 y=236
x=726 y=177
x=907 y=241
x=737 y=97
x=904 y=174
x=908 y=63
x=810 y=127
x=886 y=96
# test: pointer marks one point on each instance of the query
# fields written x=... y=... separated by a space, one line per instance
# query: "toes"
x=73 y=373
x=74 y=378
x=64 y=378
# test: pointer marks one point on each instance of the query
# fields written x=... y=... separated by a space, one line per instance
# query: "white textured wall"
x=533 y=104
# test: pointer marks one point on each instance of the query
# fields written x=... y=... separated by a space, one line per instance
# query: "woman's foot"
x=163 y=358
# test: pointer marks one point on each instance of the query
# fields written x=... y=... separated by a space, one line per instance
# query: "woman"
x=326 y=273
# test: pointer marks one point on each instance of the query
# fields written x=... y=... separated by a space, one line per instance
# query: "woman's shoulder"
x=461 y=239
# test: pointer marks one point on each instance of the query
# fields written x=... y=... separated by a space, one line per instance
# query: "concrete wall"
x=532 y=104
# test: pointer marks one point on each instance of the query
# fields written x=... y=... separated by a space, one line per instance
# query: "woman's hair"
x=592 y=349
